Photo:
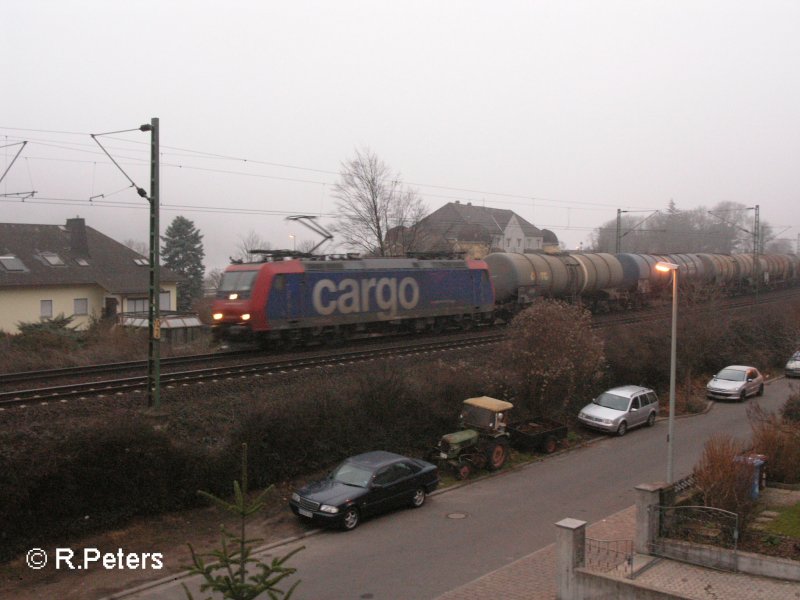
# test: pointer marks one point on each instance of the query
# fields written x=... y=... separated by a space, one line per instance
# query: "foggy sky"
x=561 y=111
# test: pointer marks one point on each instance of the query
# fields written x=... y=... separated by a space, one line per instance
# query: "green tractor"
x=483 y=441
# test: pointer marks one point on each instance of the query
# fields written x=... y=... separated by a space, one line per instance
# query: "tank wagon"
x=605 y=281
x=285 y=302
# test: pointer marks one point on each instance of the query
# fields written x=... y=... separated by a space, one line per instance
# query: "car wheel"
x=760 y=390
x=622 y=429
x=743 y=396
x=418 y=499
x=351 y=519
x=651 y=420
x=496 y=455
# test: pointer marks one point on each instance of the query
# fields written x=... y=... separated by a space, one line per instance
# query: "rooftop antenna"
x=309 y=221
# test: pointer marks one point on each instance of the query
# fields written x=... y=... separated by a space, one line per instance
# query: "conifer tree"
x=183 y=253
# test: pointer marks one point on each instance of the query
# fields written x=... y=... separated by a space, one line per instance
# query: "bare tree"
x=213 y=278
x=140 y=247
x=247 y=244
x=372 y=201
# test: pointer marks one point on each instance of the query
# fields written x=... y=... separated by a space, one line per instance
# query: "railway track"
x=63 y=393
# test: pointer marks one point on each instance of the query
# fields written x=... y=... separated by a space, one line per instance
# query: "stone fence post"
x=570 y=555
x=648 y=498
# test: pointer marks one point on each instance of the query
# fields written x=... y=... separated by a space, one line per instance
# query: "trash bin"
x=759 y=464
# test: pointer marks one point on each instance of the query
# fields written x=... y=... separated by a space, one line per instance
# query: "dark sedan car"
x=364 y=485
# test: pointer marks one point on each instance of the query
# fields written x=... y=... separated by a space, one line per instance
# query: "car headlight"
x=327 y=508
x=582 y=415
x=295 y=496
x=607 y=421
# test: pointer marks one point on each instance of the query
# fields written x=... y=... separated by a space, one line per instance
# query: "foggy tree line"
x=725 y=228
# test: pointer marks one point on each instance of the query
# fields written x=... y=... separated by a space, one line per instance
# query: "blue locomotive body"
x=296 y=299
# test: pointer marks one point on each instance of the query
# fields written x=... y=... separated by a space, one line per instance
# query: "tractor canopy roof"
x=492 y=404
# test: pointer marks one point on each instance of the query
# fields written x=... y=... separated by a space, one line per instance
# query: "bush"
x=779 y=440
x=724 y=479
x=552 y=360
x=791 y=409
x=91 y=476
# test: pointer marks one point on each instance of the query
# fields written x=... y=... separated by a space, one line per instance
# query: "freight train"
x=283 y=303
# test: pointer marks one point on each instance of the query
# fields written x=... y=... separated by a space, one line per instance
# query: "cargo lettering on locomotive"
x=354 y=295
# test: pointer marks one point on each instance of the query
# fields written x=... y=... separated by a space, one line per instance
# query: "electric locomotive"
x=286 y=302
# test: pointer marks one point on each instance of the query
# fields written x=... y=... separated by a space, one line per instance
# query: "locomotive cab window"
x=236 y=282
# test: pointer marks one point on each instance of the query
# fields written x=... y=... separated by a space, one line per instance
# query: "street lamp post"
x=666 y=267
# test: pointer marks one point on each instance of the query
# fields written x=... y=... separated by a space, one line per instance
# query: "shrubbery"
x=724 y=478
x=86 y=474
x=778 y=438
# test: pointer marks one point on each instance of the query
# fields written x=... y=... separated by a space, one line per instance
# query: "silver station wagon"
x=621 y=408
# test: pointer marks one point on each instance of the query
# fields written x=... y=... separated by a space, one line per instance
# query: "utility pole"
x=619 y=231
x=154 y=299
x=756 y=242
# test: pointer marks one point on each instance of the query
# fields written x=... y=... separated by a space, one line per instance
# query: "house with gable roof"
x=75 y=271
x=474 y=230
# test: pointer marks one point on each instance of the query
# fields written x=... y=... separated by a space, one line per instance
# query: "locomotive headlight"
x=217 y=316
x=246 y=317
x=233 y=296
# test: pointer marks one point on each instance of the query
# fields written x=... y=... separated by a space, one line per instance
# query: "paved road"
x=423 y=553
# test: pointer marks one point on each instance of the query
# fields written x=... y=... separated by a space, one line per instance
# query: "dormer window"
x=52 y=259
x=11 y=263
x=142 y=262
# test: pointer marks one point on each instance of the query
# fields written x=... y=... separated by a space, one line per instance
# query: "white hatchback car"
x=736 y=382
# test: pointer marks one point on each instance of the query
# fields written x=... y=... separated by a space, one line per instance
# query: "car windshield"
x=795 y=356
x=351 y=474
x=731 y=375
x=608 y=400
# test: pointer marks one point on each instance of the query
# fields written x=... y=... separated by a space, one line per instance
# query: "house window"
x=80 y=306
x=137 y=305
x=46 y=309
x=142 y=262
x=11 y=263
x=163 y=301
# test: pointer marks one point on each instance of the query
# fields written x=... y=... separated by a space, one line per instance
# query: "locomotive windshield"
x=238 y=282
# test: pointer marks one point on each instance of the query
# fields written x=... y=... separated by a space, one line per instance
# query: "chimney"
x=77 y=236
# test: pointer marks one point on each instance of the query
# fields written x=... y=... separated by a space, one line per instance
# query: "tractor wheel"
x=463 y=471
x=550 y=444
x=496 y=455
